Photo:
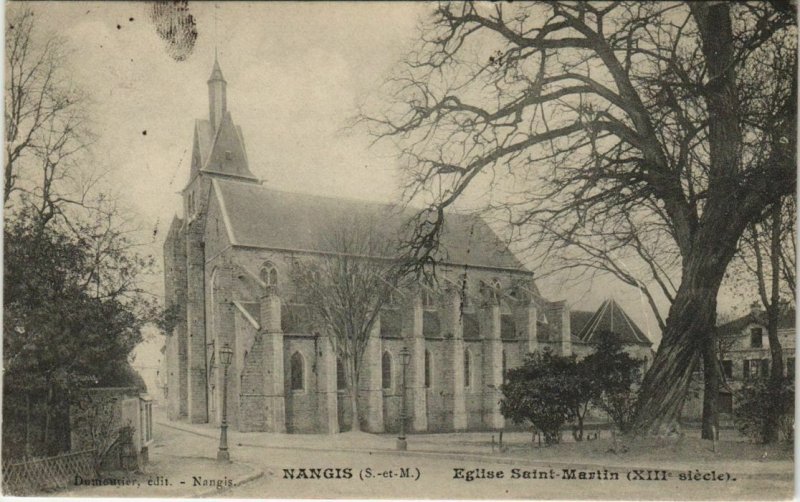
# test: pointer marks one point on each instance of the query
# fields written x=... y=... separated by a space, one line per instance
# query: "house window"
x=386 y=371
x=466 y=368
x=755 y=368
x=427 y=369
x=341 y=381
x=756 y=340
x=296 y=370
x=725 y=402
x=504 y=368
x=269 y=275
x=727 y=368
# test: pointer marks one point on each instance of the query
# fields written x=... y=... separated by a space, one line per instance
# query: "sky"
x=295 y=74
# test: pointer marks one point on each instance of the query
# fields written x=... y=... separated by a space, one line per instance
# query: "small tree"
x=97 y=417
x=615 y=374
x=586 y=391
x=545 y=392
x=345 y=291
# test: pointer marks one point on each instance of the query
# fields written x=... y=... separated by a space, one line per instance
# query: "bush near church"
x=540 y=391
x=549 y=390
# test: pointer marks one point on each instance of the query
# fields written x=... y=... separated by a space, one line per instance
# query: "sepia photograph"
x=454 y=250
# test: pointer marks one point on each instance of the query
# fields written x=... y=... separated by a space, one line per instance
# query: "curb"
x=465 y=456
x=257 y=474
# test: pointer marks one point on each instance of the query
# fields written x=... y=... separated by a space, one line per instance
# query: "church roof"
x=221 y=153
x=609 y=317
x=260 y=217
x=216 y=72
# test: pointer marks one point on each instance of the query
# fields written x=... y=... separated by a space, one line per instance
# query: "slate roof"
x=391 y=322
x=470 y=327
x=610 y=317
x=431 y=327
x=221 y=153
x=786 y=320
x=266 y=218
x=578 y=319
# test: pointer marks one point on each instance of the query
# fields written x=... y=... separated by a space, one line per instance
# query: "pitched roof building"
x=744 y=348
x=228 y=267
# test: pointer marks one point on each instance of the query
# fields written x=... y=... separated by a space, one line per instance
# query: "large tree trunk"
x=711 y=379
x=689 y=328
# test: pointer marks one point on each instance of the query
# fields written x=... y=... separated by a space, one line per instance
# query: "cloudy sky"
x=295 y=73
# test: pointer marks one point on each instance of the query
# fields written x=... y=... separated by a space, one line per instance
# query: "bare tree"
x=345 y=291
x=45 y=123
x=767 y=256
x=640 y=128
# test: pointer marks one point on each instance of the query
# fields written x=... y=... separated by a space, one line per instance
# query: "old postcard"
x=356 y=250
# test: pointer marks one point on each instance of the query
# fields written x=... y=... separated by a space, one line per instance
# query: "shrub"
x=615 y=374
x=541 y=391
x=757 y=400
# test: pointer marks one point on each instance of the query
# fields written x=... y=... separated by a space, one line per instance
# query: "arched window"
x=427 y=300
x=341 y=381
x=269 y=275
x=428 y=375
x=505 y=368
x=467 y=378
x=296 y=371
x=386 y=371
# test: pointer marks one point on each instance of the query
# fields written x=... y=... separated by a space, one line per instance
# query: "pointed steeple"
x=217 y=99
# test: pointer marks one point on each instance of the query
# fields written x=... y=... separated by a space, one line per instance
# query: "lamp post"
x=405 y=357
x=225 y=356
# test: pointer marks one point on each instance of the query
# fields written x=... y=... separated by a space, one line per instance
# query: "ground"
x=361 y=465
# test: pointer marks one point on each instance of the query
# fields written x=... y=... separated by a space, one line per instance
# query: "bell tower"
x=217 y=99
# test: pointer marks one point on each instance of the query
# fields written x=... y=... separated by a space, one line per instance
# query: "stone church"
x=227 y=266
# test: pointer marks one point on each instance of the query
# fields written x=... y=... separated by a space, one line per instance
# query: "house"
x=744 y=354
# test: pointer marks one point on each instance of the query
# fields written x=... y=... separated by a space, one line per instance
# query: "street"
x=330 y=474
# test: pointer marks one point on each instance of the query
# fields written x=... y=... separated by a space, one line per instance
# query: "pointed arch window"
x=341 y=380
x=297 y=371
x=269 y=274
x=386 y=371
x=504 y=379
x=467 y=369
x=427 y=300
x=428 y=374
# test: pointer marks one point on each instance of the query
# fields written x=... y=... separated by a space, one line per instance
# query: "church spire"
x=217 y=99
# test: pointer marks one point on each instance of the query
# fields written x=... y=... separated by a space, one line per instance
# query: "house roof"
x=786 y=320
x=266 y=218
x=609 y=317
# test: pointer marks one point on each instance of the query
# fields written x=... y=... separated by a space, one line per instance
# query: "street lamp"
x=405 y=358
x=225 y=356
